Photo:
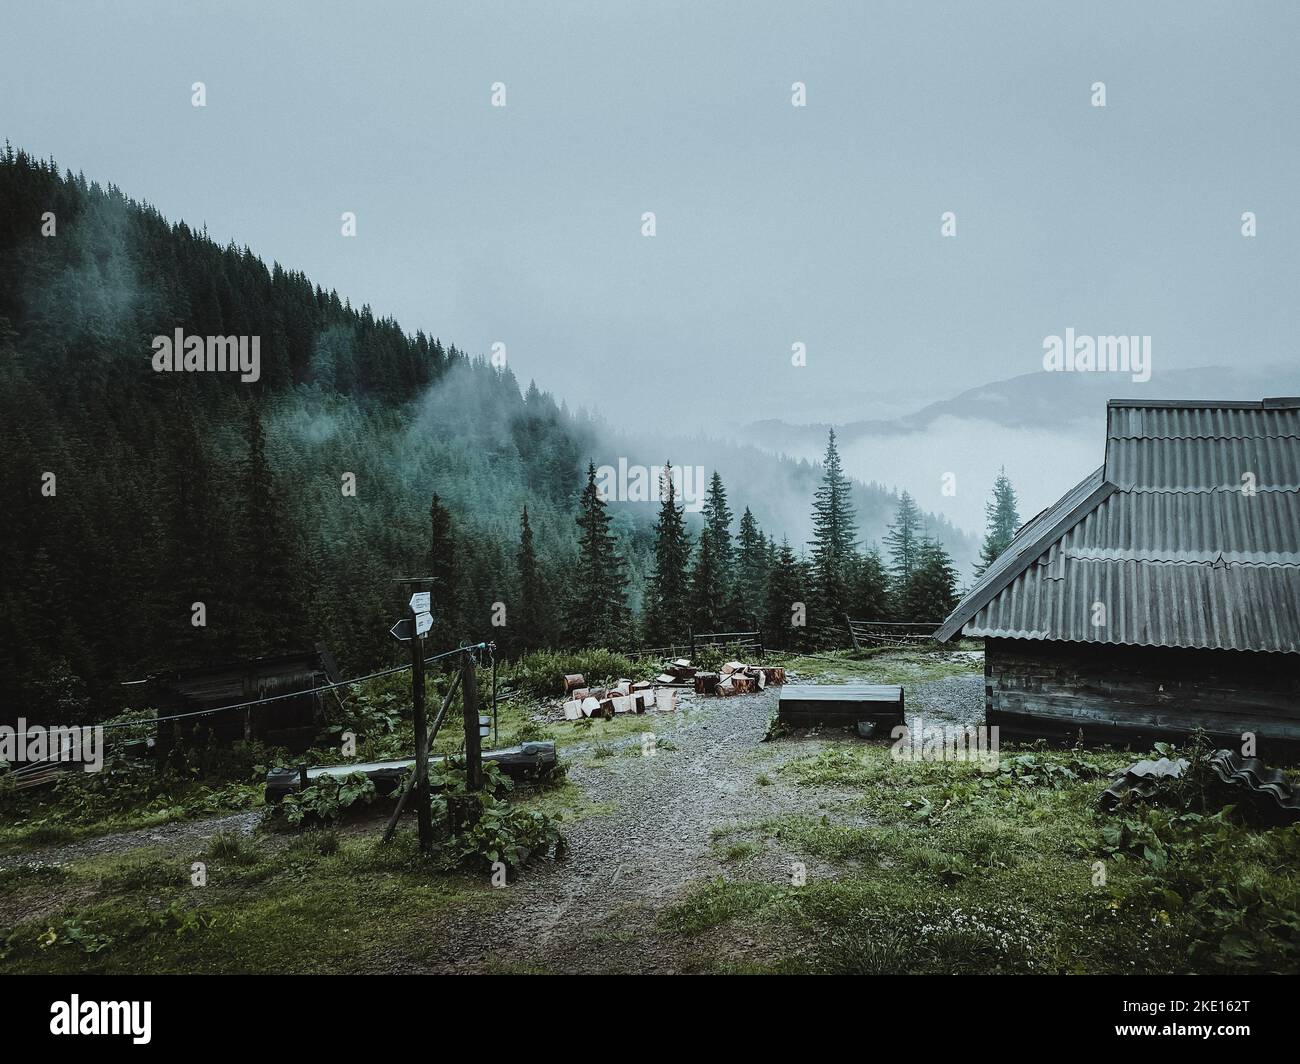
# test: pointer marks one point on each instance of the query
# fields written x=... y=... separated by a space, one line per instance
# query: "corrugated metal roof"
x=1162 y=546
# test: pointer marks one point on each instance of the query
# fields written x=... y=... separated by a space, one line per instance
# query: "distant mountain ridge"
x=1039 y=400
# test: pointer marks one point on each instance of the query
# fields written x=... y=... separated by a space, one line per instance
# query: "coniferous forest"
x=286 y=506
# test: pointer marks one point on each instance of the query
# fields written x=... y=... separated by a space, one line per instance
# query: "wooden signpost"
x=412 y=629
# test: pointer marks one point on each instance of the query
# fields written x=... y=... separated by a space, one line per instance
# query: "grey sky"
x=775 y=224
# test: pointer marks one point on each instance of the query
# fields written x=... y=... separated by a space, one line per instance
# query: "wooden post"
x=422 y=809
x=496 y=735
x=852 y=634
x=302 y=776
x=407 y=787
x=473 y=742
x=692 y=632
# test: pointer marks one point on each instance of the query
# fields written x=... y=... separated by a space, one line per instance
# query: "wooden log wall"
x=1138 y=695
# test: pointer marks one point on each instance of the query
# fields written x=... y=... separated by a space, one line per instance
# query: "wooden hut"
x=1162 y=593
x=291 y=721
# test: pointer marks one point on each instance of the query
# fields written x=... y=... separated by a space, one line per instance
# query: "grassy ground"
x=842 y=859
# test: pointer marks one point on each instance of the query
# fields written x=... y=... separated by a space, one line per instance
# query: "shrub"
x=325 y=800
x=541 y=673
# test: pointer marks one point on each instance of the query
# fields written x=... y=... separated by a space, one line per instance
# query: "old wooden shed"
x=290 y=720
x=1160 y=594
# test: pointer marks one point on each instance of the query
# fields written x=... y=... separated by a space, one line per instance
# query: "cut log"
x=706 y=683
x=648 y=698
x=573 y=709
x=666 y=701
x=573 y=681
x=742 y=685
x=665 y=677
x=590 y=705
x=642 y=685
x=581 y=693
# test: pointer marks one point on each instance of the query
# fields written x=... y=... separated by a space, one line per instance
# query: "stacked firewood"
x=625 y=696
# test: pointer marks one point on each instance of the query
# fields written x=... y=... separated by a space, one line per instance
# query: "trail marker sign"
x=423 y=622
x=420 y=602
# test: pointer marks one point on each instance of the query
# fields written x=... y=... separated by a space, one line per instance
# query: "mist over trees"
x=285 y=507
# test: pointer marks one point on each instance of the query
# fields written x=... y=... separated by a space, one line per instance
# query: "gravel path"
x=176 y=835
x=597 y=910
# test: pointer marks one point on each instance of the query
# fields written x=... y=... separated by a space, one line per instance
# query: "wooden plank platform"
x=841 y=704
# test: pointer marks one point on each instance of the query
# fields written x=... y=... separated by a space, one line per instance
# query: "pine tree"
x=667 y=611
x=705 y=615
x=750 y=586
x=930 y=593
x=717 y=518
x=530 y=624
x=1002 y=518
x=834 y=537
x=902 y=541
x=869 y=592
x=597 y=608
x=785 y=603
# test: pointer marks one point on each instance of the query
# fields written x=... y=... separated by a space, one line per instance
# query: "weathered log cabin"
x=292 y=720
x=1159 y=595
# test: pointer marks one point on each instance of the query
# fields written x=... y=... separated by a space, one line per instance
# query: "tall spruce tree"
x=1002 y=518
x=705 y=612
x=597 y=607
x=749 y=588
x=834 y=538
x=786 y=602
x=531 y=624
x=903 y=542
x=718 y=520
x=668 y=599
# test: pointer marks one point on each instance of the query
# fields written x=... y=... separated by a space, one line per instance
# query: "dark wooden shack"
x=1162 y=593
x=290 y=722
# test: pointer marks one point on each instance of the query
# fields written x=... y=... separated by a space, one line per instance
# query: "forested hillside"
x=131 y=495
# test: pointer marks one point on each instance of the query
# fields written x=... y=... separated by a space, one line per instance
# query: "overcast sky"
x=775 y=224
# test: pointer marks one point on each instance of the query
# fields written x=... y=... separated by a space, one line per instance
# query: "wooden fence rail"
x=890 y=633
